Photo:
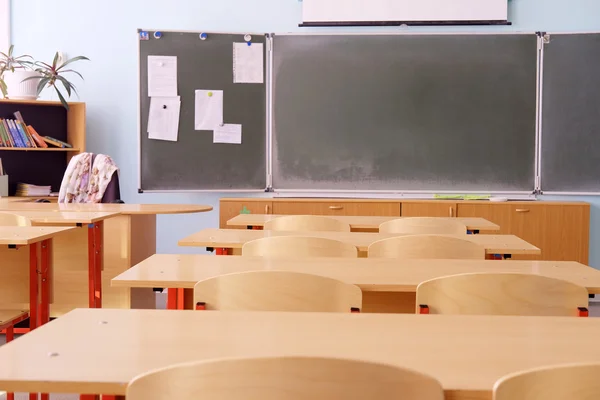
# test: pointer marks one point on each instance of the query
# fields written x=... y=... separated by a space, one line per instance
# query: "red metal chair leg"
x=33 y=287
x=172 y=295
x=10 y=335
x=89 y=397
x=180 y=299
x=91 y=267
x=46 y=276
x=99 y=245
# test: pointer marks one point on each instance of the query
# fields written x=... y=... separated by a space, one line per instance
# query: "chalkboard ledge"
x=399 y=23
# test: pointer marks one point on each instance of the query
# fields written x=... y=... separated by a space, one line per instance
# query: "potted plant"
x=18 y=80
x=51 y=75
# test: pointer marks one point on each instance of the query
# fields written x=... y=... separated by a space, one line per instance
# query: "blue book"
x=14 y=132
x=23 y=134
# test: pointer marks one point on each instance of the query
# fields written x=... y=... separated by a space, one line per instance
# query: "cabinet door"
x=560 y=231
x=429 y=209
x=334 y=207
x=503 y=215
x=229 y=209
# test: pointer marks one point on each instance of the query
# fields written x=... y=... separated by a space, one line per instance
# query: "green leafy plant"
x=10 y=62
x=51 y=75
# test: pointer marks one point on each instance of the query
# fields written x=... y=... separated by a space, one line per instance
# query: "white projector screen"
x=315 y=11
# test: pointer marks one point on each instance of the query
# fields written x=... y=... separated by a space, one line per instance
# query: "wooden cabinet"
x=337 y=207
x=233 y=207
x=560 y=230
x=429 y=209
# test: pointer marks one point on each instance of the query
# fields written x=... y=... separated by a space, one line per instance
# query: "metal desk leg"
x=95 y=238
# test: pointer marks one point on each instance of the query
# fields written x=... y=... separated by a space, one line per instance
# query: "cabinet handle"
x=451 y=212
x=266 y=208
x=336 y=207
x=522 y=210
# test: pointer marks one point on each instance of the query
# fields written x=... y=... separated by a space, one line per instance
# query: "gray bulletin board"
x=570 y=131
x=405 y=112
x=194 y=162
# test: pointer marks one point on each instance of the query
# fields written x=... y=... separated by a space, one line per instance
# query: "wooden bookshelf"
x=44 y=166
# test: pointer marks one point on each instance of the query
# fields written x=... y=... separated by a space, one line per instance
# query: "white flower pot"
x=19 y=90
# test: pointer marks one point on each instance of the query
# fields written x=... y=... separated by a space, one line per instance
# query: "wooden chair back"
x=277 y=291
x=306 y=223
x=10 y=219
x=574 y=382
x=424 y=225
x=501 y=294
x=298 y=246
x=426 y=247
x=284 y=378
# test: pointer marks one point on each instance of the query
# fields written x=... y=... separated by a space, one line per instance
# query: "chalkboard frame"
x=546 y=116
x=348 y=192
x=262 y=158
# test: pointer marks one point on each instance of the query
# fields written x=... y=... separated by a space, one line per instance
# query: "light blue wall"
x=105 y=31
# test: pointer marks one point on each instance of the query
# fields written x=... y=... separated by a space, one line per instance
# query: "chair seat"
x=12 y=317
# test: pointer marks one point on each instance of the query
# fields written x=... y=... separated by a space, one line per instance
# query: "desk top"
x=126 y=209
x=40 y=218
x=24 y=235
x=101 y=350
x=370 y=274
x=357 y=222
x=235 y=238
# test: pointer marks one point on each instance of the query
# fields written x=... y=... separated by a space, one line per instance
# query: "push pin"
x=203 y=36
x=164 y=107
x=157 y=35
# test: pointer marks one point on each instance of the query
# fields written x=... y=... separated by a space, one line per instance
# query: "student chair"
x=276 y=291
x=298 y=246
x=10 y=219
x=426 y=247
x=284 y=378
x=501 y=294
x=559 y=382
x=306 y=223
x=424 y=225
x=112 y=191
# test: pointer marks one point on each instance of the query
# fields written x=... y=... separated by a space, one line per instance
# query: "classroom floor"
x=594 y=308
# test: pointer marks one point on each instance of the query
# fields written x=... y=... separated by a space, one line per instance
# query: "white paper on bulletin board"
x=248 y=63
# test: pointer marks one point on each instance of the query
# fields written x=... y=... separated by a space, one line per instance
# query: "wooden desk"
x=126 y=209
x=65 y=263
x=59 y=218
x=357 y=223
x=128 y=239
x=467 y=354
x=387 y=285
x=235 y=239
x=25 y=260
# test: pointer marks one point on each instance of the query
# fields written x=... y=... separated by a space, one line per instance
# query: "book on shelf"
x=29 y=190
x=36 y=137
x=56 y=142
x=16 y=133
